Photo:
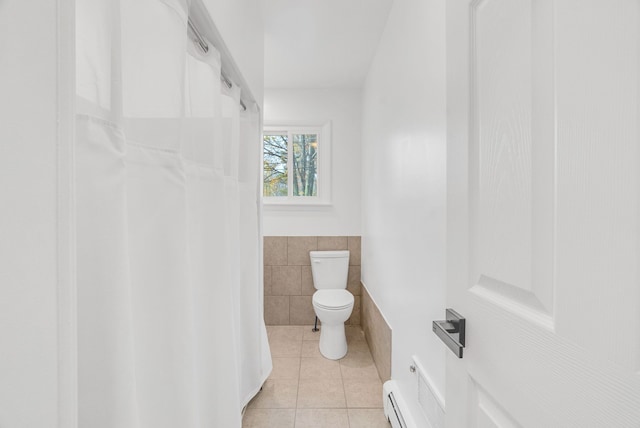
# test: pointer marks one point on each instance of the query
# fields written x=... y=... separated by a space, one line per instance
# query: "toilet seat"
x=333 y=299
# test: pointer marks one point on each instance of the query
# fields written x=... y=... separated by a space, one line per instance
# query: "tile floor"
x=305 y=390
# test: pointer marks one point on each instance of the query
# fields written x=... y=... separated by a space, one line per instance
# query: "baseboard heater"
x=395 y=408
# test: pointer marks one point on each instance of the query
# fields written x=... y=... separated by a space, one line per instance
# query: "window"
x=295 y=169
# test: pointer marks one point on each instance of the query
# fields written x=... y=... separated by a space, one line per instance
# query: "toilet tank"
x=330 y=269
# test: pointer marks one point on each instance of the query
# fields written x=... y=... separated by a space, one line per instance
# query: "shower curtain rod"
x=204 y=47
x=202 y=43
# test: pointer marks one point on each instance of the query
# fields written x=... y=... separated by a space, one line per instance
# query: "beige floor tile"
x=285 y=348
x=358 y=366
x=286 y=332
x=306 y=390
x=322 y=418
x=269 y=418
x=319 y=368
x=321 y=394
x=367 y=418
x=309 y=334
x=286 y=368
x=310 y=349
x=276 y=394
x=365 y=393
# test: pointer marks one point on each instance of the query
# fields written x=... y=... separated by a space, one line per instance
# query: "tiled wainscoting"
x=378 y=335
x=288 y=285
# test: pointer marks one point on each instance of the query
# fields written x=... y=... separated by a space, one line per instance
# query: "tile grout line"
x=344 y=390
x=300 y=356
x=295 y=411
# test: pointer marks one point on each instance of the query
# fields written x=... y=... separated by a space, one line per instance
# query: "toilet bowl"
x=333 y=308
x=332 y=303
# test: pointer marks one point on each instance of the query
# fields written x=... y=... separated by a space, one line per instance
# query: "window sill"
x=287 y=204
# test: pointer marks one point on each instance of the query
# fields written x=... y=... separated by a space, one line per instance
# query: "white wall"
x=316 y=107
x=28 y=174
x=403 y=186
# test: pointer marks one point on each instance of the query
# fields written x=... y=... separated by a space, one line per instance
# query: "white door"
x=543 y=211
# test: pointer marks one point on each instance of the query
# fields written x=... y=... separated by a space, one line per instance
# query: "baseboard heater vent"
x=394 y=414
x=394 y=407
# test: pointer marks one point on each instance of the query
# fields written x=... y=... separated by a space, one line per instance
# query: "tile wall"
x=288 y=285
x=378 y=335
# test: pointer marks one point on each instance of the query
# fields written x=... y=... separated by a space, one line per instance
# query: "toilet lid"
x=333 y=299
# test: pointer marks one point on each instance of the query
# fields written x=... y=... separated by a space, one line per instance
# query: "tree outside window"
x=290 y=163
x=305 y=164
x=276 y=175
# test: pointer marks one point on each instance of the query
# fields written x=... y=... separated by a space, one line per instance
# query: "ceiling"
x=321 y=43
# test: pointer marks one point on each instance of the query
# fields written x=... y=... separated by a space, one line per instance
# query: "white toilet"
x=332 y=302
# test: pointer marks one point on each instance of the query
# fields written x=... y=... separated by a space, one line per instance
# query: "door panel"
x=501 y=145
x=543 y=212
x=487 y=412
x=511 y=156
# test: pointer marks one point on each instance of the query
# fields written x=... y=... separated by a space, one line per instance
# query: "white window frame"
x=323 y=169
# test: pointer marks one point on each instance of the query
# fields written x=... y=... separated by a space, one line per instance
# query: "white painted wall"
x=316 y=107
x=28 y=174
x=403 y=186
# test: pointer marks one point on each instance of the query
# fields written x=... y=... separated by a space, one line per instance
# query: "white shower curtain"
x=169 y=298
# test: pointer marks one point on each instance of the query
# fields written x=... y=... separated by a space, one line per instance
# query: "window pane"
x=305 y=165
x=275 y=165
